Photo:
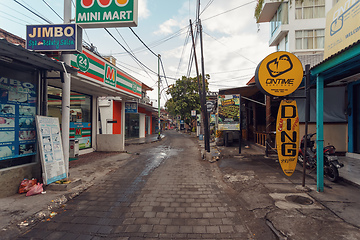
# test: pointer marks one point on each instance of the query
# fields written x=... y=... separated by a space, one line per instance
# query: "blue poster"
x=17 y=118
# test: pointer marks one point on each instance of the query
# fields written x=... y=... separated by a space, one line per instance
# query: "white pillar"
x=65 y=120
x=123 y=123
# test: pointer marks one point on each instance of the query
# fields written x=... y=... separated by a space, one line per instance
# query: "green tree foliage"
x=185 y=97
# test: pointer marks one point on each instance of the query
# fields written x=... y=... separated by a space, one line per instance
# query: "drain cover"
x=299 y=199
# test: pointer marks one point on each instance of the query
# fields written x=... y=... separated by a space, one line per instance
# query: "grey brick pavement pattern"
x=178 y=200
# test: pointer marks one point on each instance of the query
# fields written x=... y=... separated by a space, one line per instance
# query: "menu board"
x=17 y=118
x=229 y=112
x=51 y=151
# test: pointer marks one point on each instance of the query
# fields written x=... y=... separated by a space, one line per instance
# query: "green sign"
x=106 y=13
x=83 y=62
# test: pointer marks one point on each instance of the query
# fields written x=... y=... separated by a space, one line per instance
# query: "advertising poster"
x=342 y=26
x=131 y=107
x=51 y=151
x=229 y=112
x=82 y=132
x=17 y=118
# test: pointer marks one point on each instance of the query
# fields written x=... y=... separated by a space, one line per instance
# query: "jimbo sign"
x=280 y=74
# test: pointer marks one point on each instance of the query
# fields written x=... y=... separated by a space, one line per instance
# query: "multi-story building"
x=297 y=26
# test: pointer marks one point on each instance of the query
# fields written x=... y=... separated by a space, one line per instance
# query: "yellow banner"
x=287 y=136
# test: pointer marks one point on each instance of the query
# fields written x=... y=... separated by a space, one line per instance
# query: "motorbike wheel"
x=332 y=173
x=300 y=159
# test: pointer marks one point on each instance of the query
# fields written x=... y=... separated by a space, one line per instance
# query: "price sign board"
x=51 y=150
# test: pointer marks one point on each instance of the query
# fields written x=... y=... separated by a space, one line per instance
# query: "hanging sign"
x=287 y=136
x=106 y=13
x=131 y=107
x=54 y=37
x=279 y=74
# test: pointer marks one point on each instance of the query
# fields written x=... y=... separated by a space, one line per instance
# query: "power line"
x=183 y=50
x=229 y=10
x=227 y=46
x=12 y=20
x=162 y=66
x=207 y=5
x=22 y=14
x=133 y=53
x=53 y=10
x=129 y=52
x=142 y=42
x=43 y=18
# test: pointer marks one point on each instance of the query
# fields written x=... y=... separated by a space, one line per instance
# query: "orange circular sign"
x=279 y=74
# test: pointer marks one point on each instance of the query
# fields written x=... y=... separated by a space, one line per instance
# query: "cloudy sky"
x=233 y=43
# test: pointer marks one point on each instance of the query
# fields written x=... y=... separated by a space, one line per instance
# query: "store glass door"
x=132 y=121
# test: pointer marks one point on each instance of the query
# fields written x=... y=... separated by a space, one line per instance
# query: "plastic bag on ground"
x=36 y=189
x=26 y=184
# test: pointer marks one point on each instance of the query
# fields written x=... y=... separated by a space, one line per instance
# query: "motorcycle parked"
x=331 y=161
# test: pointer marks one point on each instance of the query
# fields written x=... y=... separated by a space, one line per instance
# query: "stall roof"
x=16 y=54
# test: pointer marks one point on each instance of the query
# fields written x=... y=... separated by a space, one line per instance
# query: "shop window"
x=280 y=17
x=310 y=39
x=80 y=114
x=18 y=101
x=306 y=9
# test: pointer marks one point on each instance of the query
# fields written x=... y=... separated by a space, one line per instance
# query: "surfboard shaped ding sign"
x=287 y=136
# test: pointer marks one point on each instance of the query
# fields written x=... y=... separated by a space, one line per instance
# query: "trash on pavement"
x=26 y=184
x=36 y=189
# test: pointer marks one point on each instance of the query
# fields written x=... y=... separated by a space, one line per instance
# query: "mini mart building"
x=19 y=156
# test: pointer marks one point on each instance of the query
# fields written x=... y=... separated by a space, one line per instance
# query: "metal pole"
x=307 y=116
x=65 y=119
x=159 y=96
x=240 y=132
x=320 y=132
x=206 y=122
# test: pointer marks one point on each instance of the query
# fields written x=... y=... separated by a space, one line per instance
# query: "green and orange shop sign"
x=106 y=13
x=96 y=69
x=280 y=74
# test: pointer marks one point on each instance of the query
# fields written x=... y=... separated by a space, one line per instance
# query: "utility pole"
x=159 y=96
x=201 y=93
x=65 y=113
x=206 y=118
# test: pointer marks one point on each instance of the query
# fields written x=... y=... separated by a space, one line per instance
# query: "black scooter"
x=331 y=161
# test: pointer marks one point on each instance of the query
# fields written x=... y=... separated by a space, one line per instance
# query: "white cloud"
x=143 y=10
x=167 y=27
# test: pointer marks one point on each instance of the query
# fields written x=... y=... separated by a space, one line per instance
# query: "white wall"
x=301 y=24
x=142 y=125
x=106 y=112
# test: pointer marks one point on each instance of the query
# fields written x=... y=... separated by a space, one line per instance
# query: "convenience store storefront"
x=96 y=78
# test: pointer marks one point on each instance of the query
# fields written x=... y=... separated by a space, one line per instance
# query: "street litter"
x=63 y=182
x=26 y=184
x=36 y=189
